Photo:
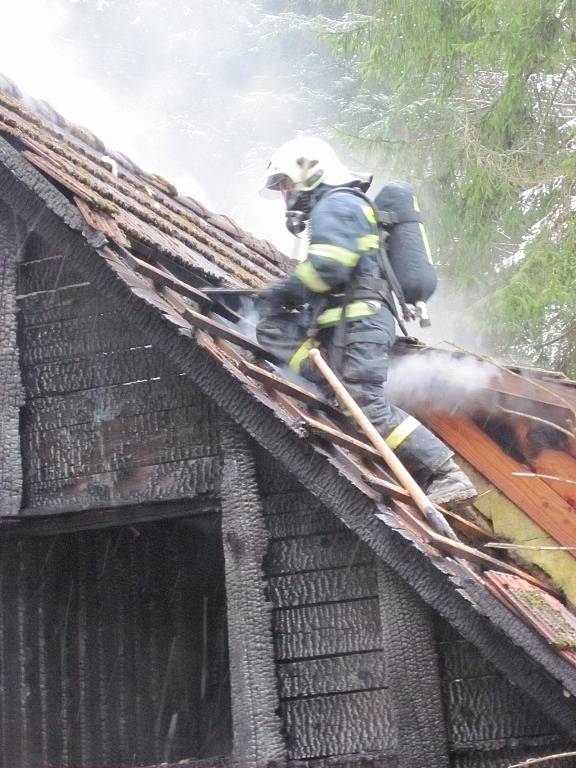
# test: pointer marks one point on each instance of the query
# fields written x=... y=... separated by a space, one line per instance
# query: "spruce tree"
x=478 y=104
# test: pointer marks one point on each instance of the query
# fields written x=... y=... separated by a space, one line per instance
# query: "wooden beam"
x=538 y=500
x=163 y=277
x=338 y=437
x=215 y=328
x=287 y=387
x=11 y=389
x=412 y=673
x=464 y=552
x=547 y=462
x=257 y=733
x=96 y=519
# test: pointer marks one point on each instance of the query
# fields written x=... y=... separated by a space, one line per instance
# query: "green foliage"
x=479 y=94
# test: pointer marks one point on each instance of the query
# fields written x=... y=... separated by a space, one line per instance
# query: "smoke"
x=249 y=318
x=198 y=92
x=451 y=382
x=201 y=93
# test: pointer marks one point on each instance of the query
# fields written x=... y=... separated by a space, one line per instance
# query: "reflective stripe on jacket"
x=343 y=239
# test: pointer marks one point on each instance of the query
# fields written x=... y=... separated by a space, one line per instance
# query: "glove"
x=273 y=299
x=286 y=294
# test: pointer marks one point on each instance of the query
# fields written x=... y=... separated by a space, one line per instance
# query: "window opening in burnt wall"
x=113 y=647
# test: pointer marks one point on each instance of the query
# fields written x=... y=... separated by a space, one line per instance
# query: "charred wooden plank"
x=468 y=528
x=387 y=487
x=316 y=552
x=220 y=311
x=100 y=370
x=333 y=435
x=103 y=222
x=327 y=629
x=257 y=734
x=413 y=671
x=48 y=275
x=80 y=337
x=291 y=501
x=287 y=387
x=11 y=390
x=112 y=446
x=162 y=277
x=65 y=303
x=302 y=523
x=315 y=727
x=106 y=403
x=335 y=674
x=57 y=171
x=218 y=329
x=335 y=585
x=203 y=509
x=460 y=660
x=488 y=709
x=273 y=478
x=184 y=479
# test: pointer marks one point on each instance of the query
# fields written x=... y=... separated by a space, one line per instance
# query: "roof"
x=156 y=251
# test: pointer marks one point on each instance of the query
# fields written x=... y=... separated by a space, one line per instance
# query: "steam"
x=199 y=92
x=449 y=382
x=249 y=315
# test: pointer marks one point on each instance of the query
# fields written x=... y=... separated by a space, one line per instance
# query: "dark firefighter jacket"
x=343 y=255
x=342 y=267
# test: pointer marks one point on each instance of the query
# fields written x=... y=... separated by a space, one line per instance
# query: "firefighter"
x=342 y=268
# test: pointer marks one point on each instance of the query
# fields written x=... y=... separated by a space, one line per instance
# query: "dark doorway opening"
x=113 y=647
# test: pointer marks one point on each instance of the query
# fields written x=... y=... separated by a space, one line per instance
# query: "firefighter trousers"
x=363 y=368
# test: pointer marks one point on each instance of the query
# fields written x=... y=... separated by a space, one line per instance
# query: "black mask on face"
x=298 y=205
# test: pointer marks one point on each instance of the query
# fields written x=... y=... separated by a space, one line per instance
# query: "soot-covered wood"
x=507 y=757
x=11 y=392
x=484 y=711
x=327 y=632
x=108 y=419
x=414 y=678
x=113 y=647
x=337 y=725
x=256 y=725
x=528 y=661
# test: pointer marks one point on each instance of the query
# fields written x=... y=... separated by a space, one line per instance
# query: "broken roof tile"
x=132 y=207
x=542 y=610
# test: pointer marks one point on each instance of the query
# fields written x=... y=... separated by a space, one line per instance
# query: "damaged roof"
x=160 y=253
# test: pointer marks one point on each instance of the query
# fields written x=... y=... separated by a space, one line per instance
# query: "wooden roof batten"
x=221 y=377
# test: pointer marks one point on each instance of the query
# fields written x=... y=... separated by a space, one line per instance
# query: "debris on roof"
x=167 y=250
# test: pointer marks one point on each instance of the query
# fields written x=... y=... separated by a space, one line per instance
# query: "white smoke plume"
x=452 y=382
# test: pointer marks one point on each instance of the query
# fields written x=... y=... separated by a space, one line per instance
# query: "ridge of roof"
x=116 y=178
x=39 y=176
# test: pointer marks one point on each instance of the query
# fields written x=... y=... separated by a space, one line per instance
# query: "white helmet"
x=308 y=162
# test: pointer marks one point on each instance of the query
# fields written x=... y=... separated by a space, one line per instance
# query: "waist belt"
x=370 y=288
x=354 y=311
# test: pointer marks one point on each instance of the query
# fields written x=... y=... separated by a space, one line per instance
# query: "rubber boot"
x=450 y=487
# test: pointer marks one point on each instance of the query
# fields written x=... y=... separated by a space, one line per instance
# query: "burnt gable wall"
x=331 y=669
x=348 y=679
x=490 y=722
x=107 y=419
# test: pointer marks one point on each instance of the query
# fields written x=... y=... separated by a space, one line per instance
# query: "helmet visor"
x=276 y=185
